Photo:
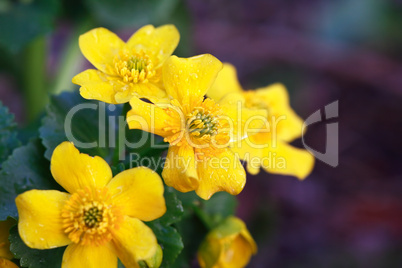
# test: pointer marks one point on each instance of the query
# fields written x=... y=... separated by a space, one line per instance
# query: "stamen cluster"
x=89 y=216
x=202 y=123
x=133 y=67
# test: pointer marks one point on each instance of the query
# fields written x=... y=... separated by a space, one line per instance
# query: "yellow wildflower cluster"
x=100 y=217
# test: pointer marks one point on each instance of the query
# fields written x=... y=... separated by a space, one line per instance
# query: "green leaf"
x=193 y=232
x=174 y=208
x=22 y=21
x=24 y=170
x=170 y=241
x=86 y=123
x=117 y=168
x=8 y=133
x=219 y=207
x=168 y=237
x=34 y=258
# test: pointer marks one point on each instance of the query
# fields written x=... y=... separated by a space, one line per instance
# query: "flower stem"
x=71 y=59
x=34 y=78
x=205 y=219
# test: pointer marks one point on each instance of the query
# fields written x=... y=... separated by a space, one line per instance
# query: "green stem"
x=71 y=59
x=116 y=156
x=34 y=78
x=205 y=219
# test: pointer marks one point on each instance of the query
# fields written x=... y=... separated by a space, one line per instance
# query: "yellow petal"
x=286 y=124
x=4 y=242
x=159 y=42
x=227 y=245
x=244 y=122
x=74 y=170
x=152 y=118
x=134 y=241
x=40 y=223
x=251 y=153
x=188 y=79
x=226 y=82
x=7 y=264
x=148 y=91
x=274 y=156
x=220 y=173
x=209 y=253
x=156 y=260
x=287 y=160
x=180 y=171
x=88 y=256
x=96 y=85
x=237 y=255
x=100 y=46
x=249 y=239
x=139 y=193
x=237 y=244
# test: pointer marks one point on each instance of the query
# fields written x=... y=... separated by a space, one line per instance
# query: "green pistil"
x=92 y=217
x=203 y=124
x=136 y=64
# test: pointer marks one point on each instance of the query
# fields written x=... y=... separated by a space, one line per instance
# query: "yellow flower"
x=229 y=245
x=268 y=149
x=4 y=263
x=5 y=253
x=199 y=130
x=125 y=69
x=4 y=233
x=100 y=218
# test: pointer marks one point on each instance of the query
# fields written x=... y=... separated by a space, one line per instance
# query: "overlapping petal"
x=100 y=46
x=40 y=223
x=242 y=121
x=153 y=118
x=180 y=170
x=223 y=172
x=96 y=85
x=74 y=170
x=188 y=79
x=148 y=91
x=160 y=42
x=139 y=193
x=237 y=255
x=284 y=121
x=88 y=256
x=226 y=82
x=134 y=241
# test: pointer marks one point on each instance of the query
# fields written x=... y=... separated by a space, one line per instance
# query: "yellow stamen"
x=89 y=216
x=134 y=67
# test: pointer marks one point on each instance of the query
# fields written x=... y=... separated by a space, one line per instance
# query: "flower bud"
x=228 y=245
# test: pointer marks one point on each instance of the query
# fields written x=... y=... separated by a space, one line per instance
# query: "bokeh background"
x=323 y=51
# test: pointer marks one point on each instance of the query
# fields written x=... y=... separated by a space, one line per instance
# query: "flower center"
x=93 y=216
x=89 y=216
x=134 y=67
x=201 y=123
